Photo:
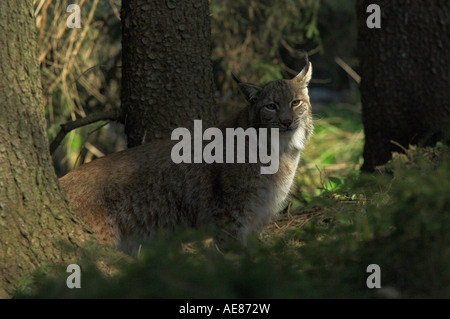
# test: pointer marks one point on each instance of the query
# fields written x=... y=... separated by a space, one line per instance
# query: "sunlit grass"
x=333 y=152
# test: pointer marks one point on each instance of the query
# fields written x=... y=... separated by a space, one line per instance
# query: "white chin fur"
x=293 y=140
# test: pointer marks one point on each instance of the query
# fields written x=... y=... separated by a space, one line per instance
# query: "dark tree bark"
x=404 y=67
x=167 y=78
x=35 y=217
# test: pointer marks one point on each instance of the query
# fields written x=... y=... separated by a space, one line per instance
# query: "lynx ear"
x=305 y=75
x=250 y=91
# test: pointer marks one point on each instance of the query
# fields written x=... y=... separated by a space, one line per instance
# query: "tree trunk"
x=34 y=213
x=167 y=78
x=404 y=67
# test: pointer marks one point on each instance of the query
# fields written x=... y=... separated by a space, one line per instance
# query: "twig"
x=399 y=145
x=288 y=210
x=355 y=76
x=116 y=11
x=98 y=66
x=67 y=127
x=298 y=53
x=36 y=12
x=85 y=148
x=91 y=148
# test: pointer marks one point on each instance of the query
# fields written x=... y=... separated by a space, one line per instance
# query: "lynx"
x=129 y=196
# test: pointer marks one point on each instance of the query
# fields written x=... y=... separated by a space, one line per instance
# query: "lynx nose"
x=286 y=123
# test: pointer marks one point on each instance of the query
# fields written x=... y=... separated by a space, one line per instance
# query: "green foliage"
x=335 y=150
x=256 y=39
x=80 y=73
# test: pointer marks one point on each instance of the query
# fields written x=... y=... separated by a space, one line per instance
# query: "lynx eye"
x=296 y=103
x=271 y=107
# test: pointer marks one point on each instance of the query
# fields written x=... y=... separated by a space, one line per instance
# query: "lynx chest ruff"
x=273 y=194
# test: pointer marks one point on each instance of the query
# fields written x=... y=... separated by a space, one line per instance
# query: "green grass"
x=340 y=222
x=334 y=152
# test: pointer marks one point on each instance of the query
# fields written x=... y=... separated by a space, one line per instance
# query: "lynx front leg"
x=233 y=232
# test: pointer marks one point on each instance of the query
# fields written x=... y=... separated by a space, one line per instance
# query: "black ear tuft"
x=306 y=61
x=304 y=76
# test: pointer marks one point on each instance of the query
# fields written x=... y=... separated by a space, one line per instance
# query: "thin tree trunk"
x=35 y=218
x=404 y=67
x=167 y=78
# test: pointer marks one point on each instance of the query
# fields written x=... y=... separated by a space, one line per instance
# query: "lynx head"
x=282 y=104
